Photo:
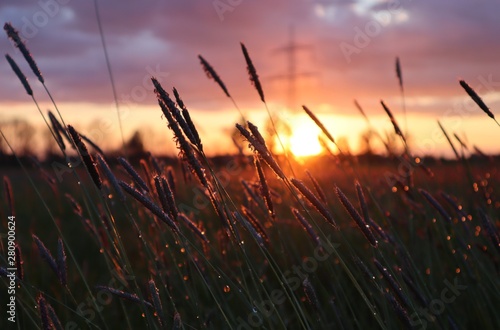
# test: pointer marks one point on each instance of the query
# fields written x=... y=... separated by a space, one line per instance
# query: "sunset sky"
x=349 y=50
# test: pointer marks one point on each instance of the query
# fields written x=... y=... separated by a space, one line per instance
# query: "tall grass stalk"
x=254 y=78
x=60 y=233
x=189 y=269
x=110 y=74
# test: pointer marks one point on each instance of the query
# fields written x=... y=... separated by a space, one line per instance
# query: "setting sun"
x=303 y=140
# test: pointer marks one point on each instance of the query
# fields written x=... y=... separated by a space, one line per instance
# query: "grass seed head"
x=125 y=295
x=57 y=129
x=311 y=197
x=362 y=225
x=262 y=150
x=53 y=318
x=19 y=75
x=19 y=262
x=44 y=315
x=137 y=195
x=317 y=187
x=86 y=157
x=311 y=295
x=155 y=297
x=318 y=123
x=264 y=189
x=111 y=177
x=61 y=262
x=14 y=36
x=177 y=323
x=476 y=98
x=193 y=227
x=46 y=256
x=436 y=205
x=393 y=121
x=399 y=73
x=211 y=74
x=133 y=174
x=252 y=72
x=307 y=226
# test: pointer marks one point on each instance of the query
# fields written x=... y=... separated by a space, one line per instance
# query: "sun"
x=303 y=141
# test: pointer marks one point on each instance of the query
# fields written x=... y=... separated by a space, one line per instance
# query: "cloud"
x=438 y=42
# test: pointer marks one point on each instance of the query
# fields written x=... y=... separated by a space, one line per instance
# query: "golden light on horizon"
x=303 y=140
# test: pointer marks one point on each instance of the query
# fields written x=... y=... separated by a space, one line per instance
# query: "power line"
x=291 y=49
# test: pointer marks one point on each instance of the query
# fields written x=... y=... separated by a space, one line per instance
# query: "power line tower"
x=291 y=49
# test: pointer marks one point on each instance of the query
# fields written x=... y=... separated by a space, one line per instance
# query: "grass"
x=248 y=242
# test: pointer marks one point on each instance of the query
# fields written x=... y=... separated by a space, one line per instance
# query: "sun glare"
x=303 y=141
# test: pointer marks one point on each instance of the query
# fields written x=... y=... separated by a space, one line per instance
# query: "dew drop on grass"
x=227 y=288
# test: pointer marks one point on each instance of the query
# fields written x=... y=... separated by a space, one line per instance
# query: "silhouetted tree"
x=20 y=135
x=50 y=145
x=135 y=145
x=366 y=142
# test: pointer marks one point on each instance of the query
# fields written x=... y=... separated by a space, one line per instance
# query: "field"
x=257 y=240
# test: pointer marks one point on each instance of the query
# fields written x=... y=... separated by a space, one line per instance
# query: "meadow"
x=257 y=240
